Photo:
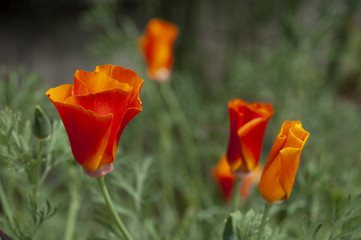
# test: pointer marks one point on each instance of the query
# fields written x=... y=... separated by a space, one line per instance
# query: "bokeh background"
x=302 y=56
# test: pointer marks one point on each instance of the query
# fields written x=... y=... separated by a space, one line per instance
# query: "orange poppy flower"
x=247 y=125
x=281 y=167
x=157 y=47
x=95 y=111
x=223 y=176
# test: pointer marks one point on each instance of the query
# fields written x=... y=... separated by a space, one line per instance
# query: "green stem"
x=186 y=134
x=264 y=220
x=73 y=208
x=178 y=115
x=236 y=193
x=37 y=169
x=166 y=158
x=110 y=205
x=5 y=206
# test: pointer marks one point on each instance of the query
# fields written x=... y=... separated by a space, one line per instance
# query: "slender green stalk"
x=178 y=115
x=264 y=220
x=73 y=208
x=71 y=219
x=5 y=206
x=110 y=205
x=37 y=169
x=186 y=133
x=236 y=193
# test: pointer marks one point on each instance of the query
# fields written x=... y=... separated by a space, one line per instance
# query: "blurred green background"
x=302 y=56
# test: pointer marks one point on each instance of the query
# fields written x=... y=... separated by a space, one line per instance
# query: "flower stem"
x=5 y=206
x=73 y=207
x=179 y=116
x=110 y=205
x=236 y=193
x=264 y=220
x=37 y=170
x=186 y=135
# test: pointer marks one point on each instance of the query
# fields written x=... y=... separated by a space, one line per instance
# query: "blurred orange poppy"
x=247 y=126
x=157 y=47
x=95 y=111
x=282 y=163
x=226 y=180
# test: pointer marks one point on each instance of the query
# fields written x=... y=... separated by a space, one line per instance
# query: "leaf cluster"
x=245 y=226
x=344 y=223
x=38 y=216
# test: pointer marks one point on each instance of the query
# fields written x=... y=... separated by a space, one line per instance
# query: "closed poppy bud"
x=247 y=126
x=224 y=178
x=41 y=126
x=281 y=166
x=95 y=111
x=157 y=47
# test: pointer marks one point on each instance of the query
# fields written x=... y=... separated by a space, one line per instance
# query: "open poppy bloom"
x=281 y=166
x=95 y=111
x=223 y=176
x=157 y=47
x=247 y=126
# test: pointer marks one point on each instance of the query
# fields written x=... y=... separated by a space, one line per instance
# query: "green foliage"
x=344 y=223
x=38 y=216
x=20 y=90
x=20 y=153
x=111 y=32
x=310 y=230
x=245 y=227
x=15 y=142
x=17 y=147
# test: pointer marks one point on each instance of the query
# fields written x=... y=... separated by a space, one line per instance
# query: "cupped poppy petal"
x=88 y=133
x=282 y=163
x=119 y=73
x=80 y=88
x=134 y=104
x=99 y=81
x=60 y=93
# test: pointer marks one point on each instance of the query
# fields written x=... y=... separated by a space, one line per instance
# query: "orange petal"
x=60 y=93
x=99 y=81
x=125 y=75
x=88 y=133
x=113 y=102
x=80 y=87
x=224 y=178
x=282 y=163
x=269 y=186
